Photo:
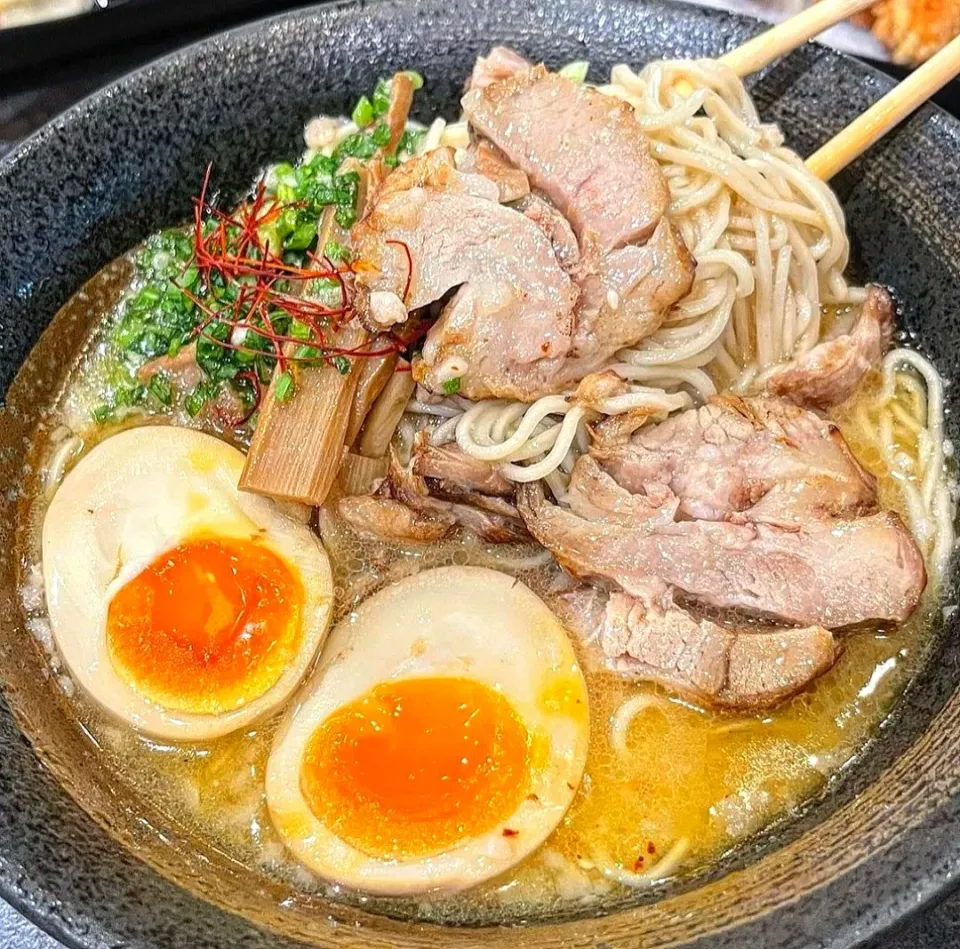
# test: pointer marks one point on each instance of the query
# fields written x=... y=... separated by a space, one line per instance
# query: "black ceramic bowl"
x=98 y=868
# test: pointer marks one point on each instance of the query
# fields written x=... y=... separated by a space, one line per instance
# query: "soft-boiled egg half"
x=179 y=603
x=439 y=742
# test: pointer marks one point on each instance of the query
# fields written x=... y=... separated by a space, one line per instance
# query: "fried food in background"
x=913 y=30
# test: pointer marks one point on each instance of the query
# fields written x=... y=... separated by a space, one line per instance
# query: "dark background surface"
x=47 y=68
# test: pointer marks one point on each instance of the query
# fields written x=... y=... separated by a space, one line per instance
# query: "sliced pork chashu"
x=715 y=665
x=484 y=158
x=421 y=502
x=822 y=571
x=624 y=296
x=582 y=149
x=761 y=459
x=500 y=63
x=448 y=465
x=539 y=303
x=830 y=372
x=652 y=639
x=434 y=229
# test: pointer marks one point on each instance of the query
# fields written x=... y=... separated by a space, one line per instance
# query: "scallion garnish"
x=285 y=387
x=363 y=112
x=161 y=388
x=205 y=391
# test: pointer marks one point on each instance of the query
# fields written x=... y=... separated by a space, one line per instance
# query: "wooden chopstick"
x=768 y=46
x=888 y=112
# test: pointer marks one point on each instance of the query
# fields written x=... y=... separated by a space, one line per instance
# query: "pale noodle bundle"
x=769 y=237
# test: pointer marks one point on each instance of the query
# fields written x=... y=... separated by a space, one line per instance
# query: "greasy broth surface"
x=692 y=785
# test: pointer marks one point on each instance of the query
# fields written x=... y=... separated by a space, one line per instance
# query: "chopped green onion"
x=302 y=237
x=306 y=352
x=129 y=395
x=283 y=171
x=189 y=276
x=363 y=112
x=201 y=395
x=322 y=287
x=299 y=330
x=410 y=140
x=322 y=164
x=381 y=134
x=336 y=251
x=345 y=216
x=286 y=193
x=359 y=145
x=576 y=71
x=451 y=386
x=391 y=161
x=146 y=298
x=285 y=387
x=381 y=97
x=161 y=388
x=102 y=413
x=345 y=187
x=341 y=364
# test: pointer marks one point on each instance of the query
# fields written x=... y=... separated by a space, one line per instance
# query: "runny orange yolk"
x=208 y=626
x=417 y=765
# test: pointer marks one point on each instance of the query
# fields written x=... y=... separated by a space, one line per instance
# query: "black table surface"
x=56 y=66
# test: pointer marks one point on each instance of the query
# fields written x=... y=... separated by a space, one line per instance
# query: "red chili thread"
x=406 y=250
x=244 y=254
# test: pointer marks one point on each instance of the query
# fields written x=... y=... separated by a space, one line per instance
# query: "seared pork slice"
x=757 y=459
x=597 y=389
x=828 y=374
x=495 y=527
x=183 y=369
x=625 y=297
x=556 y=227
x=404 y=508
x=583 y=149
x=593 y=495
x=449 y=464
x=730 y=668
x=383 y=518
x=429 y=232
x=625 y=294
x=830 y=572
x=500 y=63
x=484 y=158
x=436 y=170
x=185 y=373
x=490 y=518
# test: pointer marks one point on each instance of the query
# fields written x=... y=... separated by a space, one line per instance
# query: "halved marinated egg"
x=179 y=603
x=439 y=742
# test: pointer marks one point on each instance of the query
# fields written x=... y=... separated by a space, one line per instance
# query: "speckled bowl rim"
x=840 y=913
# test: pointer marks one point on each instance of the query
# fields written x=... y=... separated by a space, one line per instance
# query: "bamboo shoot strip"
x=387 y=411
x=373 y=375
x=360 y=475
x=298 y=445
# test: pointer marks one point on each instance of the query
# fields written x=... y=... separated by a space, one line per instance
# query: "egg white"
x=135 y=496
x=465 y=622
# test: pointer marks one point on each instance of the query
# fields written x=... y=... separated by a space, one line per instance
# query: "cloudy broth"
x=668 y=793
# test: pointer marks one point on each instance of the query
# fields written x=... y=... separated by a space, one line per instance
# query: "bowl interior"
x=125 y=162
